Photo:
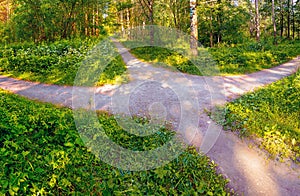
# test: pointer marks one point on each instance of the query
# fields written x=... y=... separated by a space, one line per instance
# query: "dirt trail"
x=181 y=99
x=249 y=170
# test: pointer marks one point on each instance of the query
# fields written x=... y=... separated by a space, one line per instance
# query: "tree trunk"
x=68 y=21
x=86 y=25
x=257 y=21
x=281 y=19
x=219 y=22
x=74 y=26
x=97 y=20
x=293 y=21
x=288 y=19
x=128 y=22
x=251 y=28
x=122 y=23
x=151 y=17
x=274 y=22
x=194 y=27
x=211 y=35
x=93 y=22
x=7 y=10
x=149 y=4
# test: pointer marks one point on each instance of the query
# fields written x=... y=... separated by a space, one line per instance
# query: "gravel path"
x=181 y=99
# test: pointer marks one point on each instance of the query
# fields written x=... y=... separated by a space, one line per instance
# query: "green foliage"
x=173 y=14
x=251 y=57
x=272 y=114
x=48 y=20
x=4 y=33
x=236 y=59
x=114 y=73
x=55 y=63
x=131 y=141
x=166 y=57
x=42 y=153
x=222 y=21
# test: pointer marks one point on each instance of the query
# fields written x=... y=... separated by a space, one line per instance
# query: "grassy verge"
x=166 y=58
x=271 y=114
x=253 y=57
x=238 y=59
x=55 y=63
x=42 y=153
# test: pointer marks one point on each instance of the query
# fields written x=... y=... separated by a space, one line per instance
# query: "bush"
x=54 y=63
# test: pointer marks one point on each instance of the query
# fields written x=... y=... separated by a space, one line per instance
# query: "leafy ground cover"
x=55 y=63
x=58 y=62
x=271 y=114
x=238 y=59
x=166 y=58
x=252 y=57
x=41 y=153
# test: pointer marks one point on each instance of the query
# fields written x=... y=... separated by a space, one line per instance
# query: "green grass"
x=253 y=57
x=237 y=59
x=272 y=114
x=55 y=63
x=41 y=153
x=166 y=58
x=58 y=62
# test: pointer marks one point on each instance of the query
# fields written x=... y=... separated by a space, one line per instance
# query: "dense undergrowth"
x=271 y=114
x=55 y=63
x=252 y=57
x=41 y=153
x=58 y=62
x=237 y=59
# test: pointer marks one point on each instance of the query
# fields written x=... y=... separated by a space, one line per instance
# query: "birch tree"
x=257 y=20
x=194 y=27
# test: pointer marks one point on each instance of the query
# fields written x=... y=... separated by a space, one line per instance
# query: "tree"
x=257 y=20
x=220 y=20
x=124 y=14
x=178 y=12
x=274 y=22
x=194 y=27
x=209 y=21
x=288 y=18
x=293 y=19
x=148 y=9
x=40 y=20
x=281 y=18
x=5 y=10
x=223 y=21
x=297 y=17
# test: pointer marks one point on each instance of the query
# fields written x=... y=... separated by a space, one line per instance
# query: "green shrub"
x=55 y=63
